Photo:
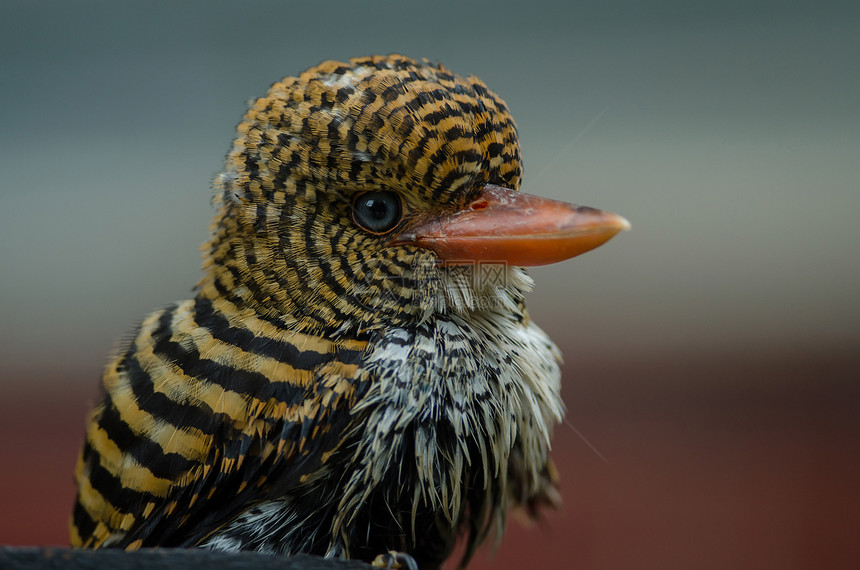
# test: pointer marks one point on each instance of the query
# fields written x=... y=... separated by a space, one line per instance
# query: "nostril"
x=479 y=204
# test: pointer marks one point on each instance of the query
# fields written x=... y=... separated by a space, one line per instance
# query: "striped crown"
x=284 y=243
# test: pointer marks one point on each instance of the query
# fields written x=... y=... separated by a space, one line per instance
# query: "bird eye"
x=376 y=212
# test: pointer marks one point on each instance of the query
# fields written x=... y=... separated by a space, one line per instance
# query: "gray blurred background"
x=727 y=132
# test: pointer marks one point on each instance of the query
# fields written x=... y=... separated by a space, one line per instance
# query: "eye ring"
x=377 y=212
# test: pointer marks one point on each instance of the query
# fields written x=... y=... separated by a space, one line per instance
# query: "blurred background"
x=712 y=354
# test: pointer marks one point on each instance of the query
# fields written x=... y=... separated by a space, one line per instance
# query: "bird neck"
x=271 y=304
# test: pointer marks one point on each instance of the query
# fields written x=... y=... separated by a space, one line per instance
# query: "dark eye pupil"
x=377 y=209
x=377 y=212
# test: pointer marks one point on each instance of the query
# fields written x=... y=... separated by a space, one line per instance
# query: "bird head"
x=366 y=193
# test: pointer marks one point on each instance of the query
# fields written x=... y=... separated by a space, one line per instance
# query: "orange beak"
x=504 y=226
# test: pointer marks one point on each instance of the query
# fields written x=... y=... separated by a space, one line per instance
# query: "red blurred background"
x=726 y=460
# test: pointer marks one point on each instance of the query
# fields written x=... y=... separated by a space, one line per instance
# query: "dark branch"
x=52 y=558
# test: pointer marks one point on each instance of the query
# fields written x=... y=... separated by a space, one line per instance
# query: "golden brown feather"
x=328 y=389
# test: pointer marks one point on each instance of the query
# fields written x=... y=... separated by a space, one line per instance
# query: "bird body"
x=353 y=375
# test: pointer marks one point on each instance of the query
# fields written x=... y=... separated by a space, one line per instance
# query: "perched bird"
x=357 y=372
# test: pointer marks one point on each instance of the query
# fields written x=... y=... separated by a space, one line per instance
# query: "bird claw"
x=392 y=560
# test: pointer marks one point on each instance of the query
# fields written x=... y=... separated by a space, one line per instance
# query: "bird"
x=356 y=375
